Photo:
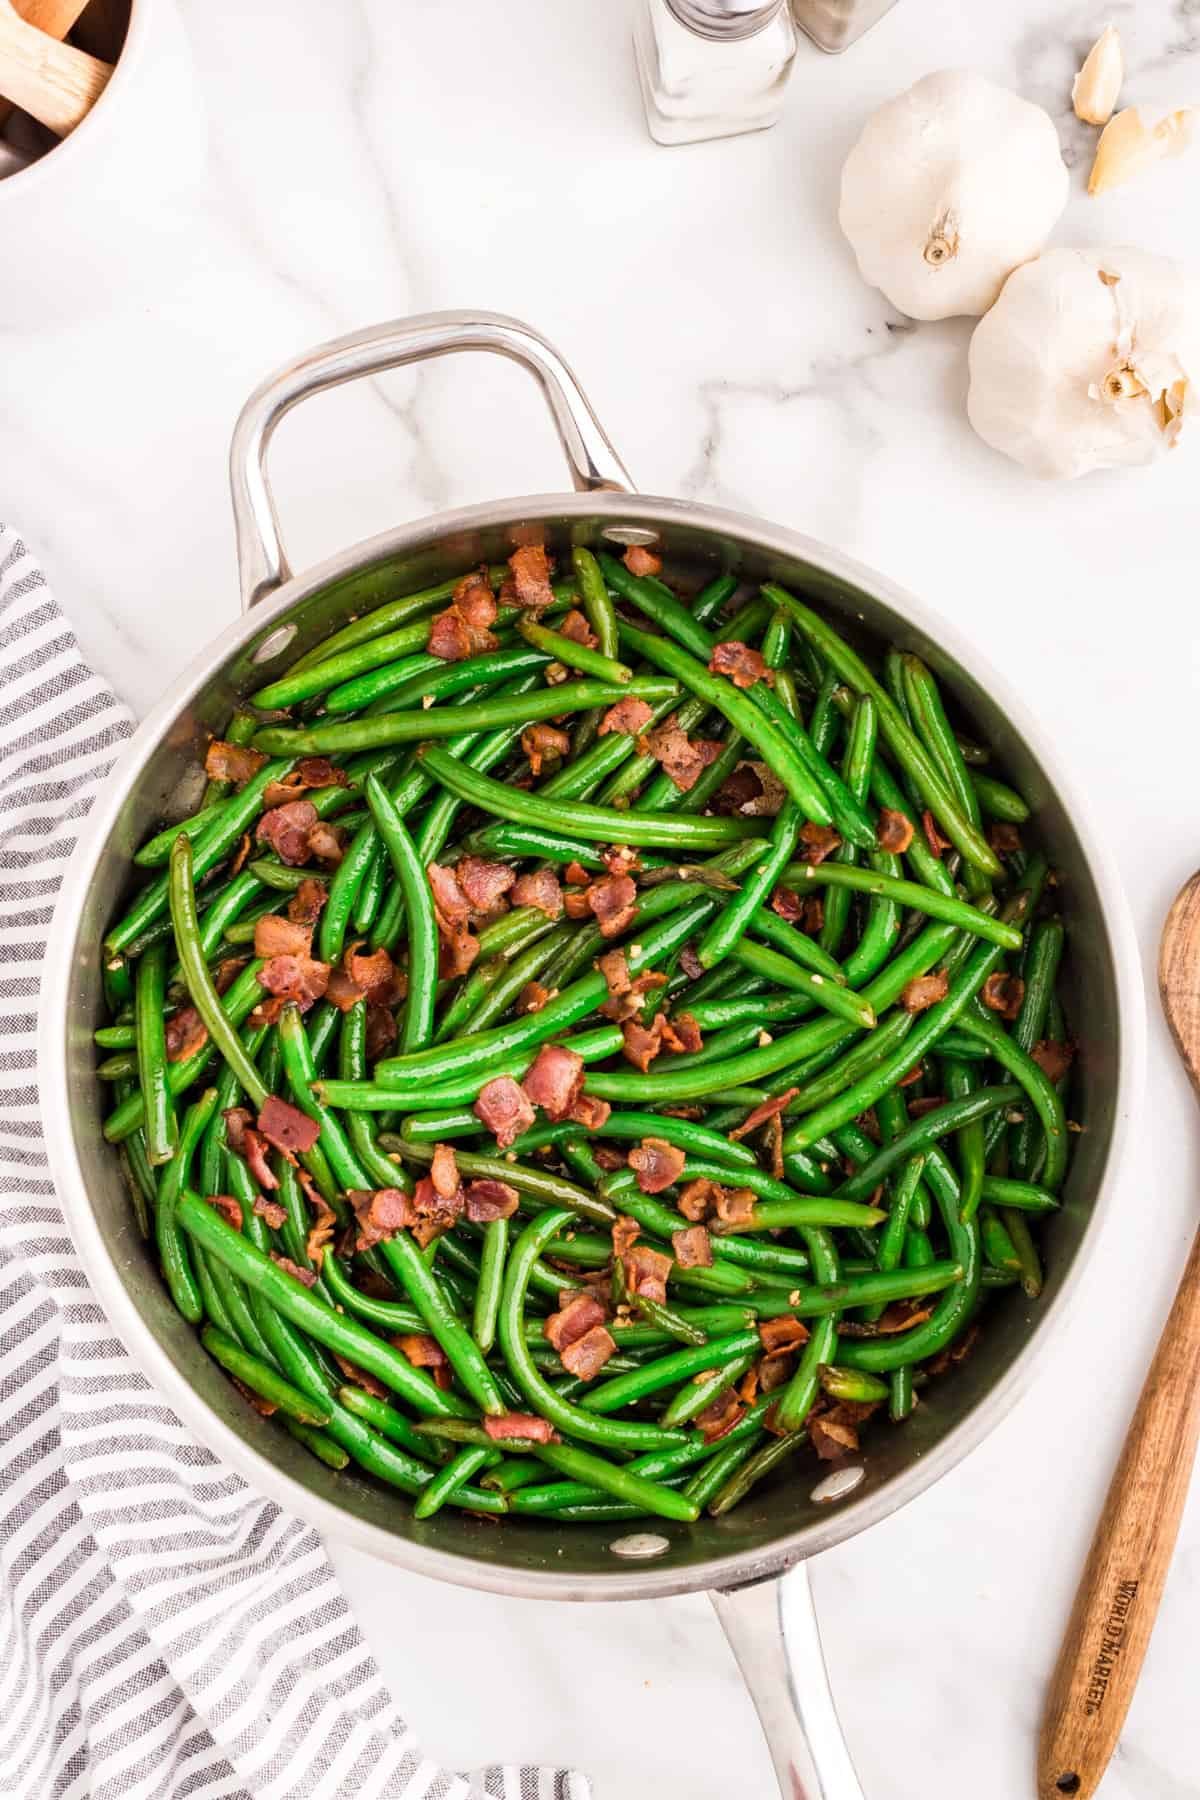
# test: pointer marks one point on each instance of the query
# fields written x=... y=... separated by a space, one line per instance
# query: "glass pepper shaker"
x=712 y=68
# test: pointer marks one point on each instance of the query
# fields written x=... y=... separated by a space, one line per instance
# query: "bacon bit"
x=621 y=859
x=807 y=911
x=766 y=1109
x=576 y=875
x=742 y=665
x=629 y=716
x=914 y=1074
x=370 y=1384
x=488 y=1200
x=229 y=1208
x=462 y=630
x=375 y=976
x=589 y=1112
x=542 y=741
x=484 y=883
x=587 y=1355
x=640 y=561
x=656 y=1164
x=683 y=759
x=681 y=1034
x=1003 y=994
x=573 y=1320
x=894 y=832
x=738 y=791
x=286 y=1127
x=625 y=1234
x=918 y=1108
x=422 y=1351
x=903 y=1315
x=735 y=1206
x=614 y=903
x=380 y=1213
x=381 y=1032
x=443 y=1171
x=264 y=1407
x=955 y=1353
x=309 y=772
x=646 y=1273
x=457 y=948
x=439 y=1211
x=243 y=853
x=778 y=1335
x=554 y=1080
x=774 y=1371
x=697 y=1201
x=576 y=628
x=275 y=936
x=641 y=1044
x=327 y=842
x=308 y=901
x=532 y=997
x=527 y=1428
x=504 y=1108
x=575 y=904
x=774 y=1141
x=296 y=978
x=625 y=993
x=271 y=1211
x=924 y=991
x=819 y=842
x=306 y=1277
x=232 y=762
x=867 y=1121
x=254 y=1150
x=541 y=889
x=690 y=963
x=449 y=637
x=286 y=829
x=719 y=1416
x=448 y=897
x=1053 y=1058
x=1003 y=837
x=831 y=1435
x=933 y=836
x=186 y=1033
x=608 y=1157
x=475 y=601
x=692 y=1247
x=531 y=575
x=236 y=1121
x=321 y=1231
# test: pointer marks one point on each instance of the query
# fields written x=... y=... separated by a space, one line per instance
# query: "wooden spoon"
x=55 y=83
x=1122 y=1584
x=54 y=17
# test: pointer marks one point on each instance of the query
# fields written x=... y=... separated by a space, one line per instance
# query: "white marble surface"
x=370 y=160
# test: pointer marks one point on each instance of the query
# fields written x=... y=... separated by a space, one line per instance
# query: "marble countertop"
x=371 y=160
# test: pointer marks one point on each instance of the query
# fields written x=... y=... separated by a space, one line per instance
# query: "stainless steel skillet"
x=741 y=1558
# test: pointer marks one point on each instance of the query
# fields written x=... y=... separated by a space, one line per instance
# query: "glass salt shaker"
x=712 y=68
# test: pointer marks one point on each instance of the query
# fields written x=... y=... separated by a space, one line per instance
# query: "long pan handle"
x=773 y=1633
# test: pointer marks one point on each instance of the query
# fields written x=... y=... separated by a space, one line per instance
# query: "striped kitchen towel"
x=164 y=1631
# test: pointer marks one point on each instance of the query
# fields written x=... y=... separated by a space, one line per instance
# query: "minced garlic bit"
x=764 y=1038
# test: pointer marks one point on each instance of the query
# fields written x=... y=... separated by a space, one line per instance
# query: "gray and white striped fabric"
x=165 y=1633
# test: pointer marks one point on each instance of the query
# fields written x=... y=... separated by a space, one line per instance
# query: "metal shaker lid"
x=725 y=18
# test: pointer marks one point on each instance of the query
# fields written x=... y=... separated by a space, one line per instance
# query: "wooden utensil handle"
x=55 y=17
x=53 y=82
x=1117 y=1602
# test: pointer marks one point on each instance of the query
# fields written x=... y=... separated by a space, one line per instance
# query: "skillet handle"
x=591 y=459
x=773 y=1633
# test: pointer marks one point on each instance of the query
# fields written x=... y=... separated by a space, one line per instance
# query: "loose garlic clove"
x=1095 y=89
x=1127 y=147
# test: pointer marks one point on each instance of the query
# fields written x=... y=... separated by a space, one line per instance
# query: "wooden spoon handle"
x=55 y=17
x=55 y=83
x=1117 y=1602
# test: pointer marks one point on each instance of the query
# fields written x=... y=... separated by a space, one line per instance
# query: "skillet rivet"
x=840 y=1483
x=629 y=534
x=274 y=644
x=640 y=1544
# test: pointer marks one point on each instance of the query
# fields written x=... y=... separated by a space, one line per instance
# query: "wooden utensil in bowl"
x=1117 y=1602
x=55 y=83
x=54 y=17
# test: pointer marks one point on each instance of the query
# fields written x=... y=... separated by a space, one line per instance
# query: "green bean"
x=752 y=1470
x=157 y=850
x=666 y=1371
x=161 y=1126
x=906 y=893
x=831 y=996
x=701 y=1390
x=1040 y=971
x=852 y=1384
x=172 y=1248
x=1041 y=1092
x=1019 y=1196
x=1029 y=1262
x=996 y=799
x=418 y=912
x=731 y=923
x=622 y=1482
x=425 y=1291
x=261 y=1379
x=929 y=720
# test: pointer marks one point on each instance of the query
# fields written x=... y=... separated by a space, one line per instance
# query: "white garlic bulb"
x=1088 y=360
x=949 y=188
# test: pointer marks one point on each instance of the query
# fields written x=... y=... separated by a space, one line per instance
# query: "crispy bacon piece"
x=286 y=1127
x=541 y=889
x=933 y=836
x=452 y=910
x=735 y=1207
x=575 y=904
x=374 y=975
x=505 y=1109
x=819 y=841
x=576 y=628
x=380 y=1213
x=310 y=772
x=475 y=601
x=629 y=716
x=574 y=1319
x=739 y=662
x=1003 y=837
x=286 y=829
x=297 y=978
x=531 y=575
x=1003 y=994
x=681 y=1034
x=264 y=1407
x=236 y=1120
x=683 y=758
x=253 y=1147
x=306 y=904
x=487 y=1200
x=646 y=1273
x=542 y=741
x=719 y=1416
x=429 y=1203
x=924 y=990
x=484 y=883
x=640 y=561
x=232 y=762
x=640 y=1043
x=697 y=1201
x=327 y=842
x=918 y=1108
x=449 y=637
x=1053 y=1058
x=894 y=832
x=776 y=1335
x=271 y=1211
x=448 y=897
x=276 y=936
x=306 y=1277
x=443 y=1171
x=588 y=1354
x=831 y=1434
x=422 y=1351
x=527 y=1428
x=766 y=1109
x=361 y=1378
x=229 y=1208
x=462 y=630
x=625 y=1232
x=692 y=1247
x=554 y=1080
x=807 y=911
x=589 y=1112
x=381 y=1032
x=656 y=1164
x=625 y=993
x=324 y=1218
x=186 y=1033
x=739 y=792
x=614 y=903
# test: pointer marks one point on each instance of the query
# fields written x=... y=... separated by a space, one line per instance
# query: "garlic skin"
x=1095 y=88
x=1088 y=360
x=1128 y=146
x=949 y=188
